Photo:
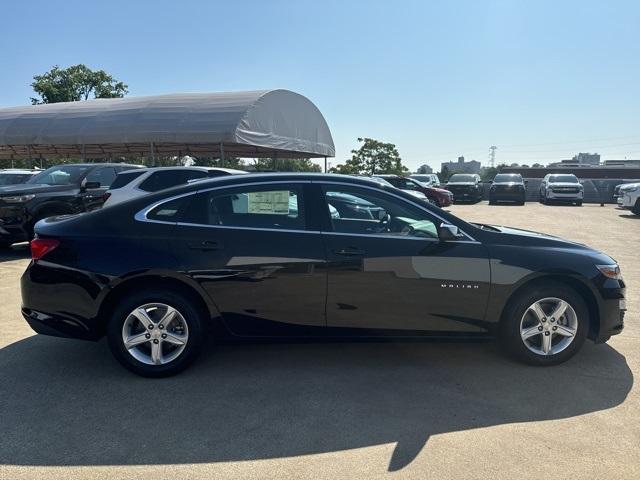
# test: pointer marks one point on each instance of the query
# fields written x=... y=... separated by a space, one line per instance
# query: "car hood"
x=460 y=183
x=518 y=236
x=416 y=193
x=439 y=190
x=25 y=189
x=627 y=186
x=507 y=184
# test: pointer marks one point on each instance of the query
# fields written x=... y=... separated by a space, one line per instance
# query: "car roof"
x=19 y=171
x=191 y=168
x=111 y=164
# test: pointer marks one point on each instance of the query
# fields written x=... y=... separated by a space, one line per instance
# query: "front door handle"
x=205 y=245
x=350 y=252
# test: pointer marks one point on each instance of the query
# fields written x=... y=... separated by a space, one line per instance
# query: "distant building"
x=622 y=163
x=461 y=166
x=587 y=158
x=424 y=169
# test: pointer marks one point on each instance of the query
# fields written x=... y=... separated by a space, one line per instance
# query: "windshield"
x=508 y=177
x=381 y=181
x=60 y=175
x=13 y=178
x=422 y=178
x=460 y=177
x=563 y=178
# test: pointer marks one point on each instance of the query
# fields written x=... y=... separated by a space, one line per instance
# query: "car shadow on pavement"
x=630 y=215
x=15 y=252
x=67 y=402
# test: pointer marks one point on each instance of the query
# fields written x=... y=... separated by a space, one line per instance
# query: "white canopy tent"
x=269 y=123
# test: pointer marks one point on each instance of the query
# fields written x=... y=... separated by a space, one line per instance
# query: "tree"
x=444 y=174
x=286 y=165
x=75 y=83
x=424 y=169
x=537 y=165
x=371 y=158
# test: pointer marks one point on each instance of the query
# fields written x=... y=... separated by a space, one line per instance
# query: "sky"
x=541 y=80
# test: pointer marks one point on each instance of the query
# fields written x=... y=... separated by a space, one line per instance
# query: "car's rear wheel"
x=545 y=325
x=636 y=207
x=579 y=203
x=155 y=333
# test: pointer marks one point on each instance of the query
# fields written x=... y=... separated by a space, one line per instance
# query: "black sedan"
x=301 y=255
x=508 y=187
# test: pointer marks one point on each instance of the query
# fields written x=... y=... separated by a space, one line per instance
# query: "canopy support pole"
x=30 y=159
x=153 y=155
x=325 y=164
x=275 y=162
x=221 y=154
x=82 y=154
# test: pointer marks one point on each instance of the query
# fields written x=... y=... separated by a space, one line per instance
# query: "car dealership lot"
x=67 y=410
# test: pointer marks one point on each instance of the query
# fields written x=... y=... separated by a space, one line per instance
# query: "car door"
x=389 y=271
x=94 y=185
x=249 y=247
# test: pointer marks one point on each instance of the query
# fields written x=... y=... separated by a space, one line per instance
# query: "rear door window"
x=277 y=207
x=169 y=178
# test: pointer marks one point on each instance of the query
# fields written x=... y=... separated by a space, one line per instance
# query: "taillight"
x=41 y=246
x=105 y=196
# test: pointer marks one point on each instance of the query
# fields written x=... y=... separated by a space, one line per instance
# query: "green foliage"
x=489 y=173
x=444 y=174
x=371 y=158
x=423 y=169
x=75 y=83
x=285 y=165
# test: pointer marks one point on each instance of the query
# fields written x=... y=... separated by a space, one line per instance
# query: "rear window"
x=169 y=178
x=125 y=178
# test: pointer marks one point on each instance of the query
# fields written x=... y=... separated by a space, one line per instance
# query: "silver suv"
x=561 y=187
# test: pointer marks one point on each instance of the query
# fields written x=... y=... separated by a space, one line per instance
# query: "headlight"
x=630 y=189
x=18 y=198
x=610 y=271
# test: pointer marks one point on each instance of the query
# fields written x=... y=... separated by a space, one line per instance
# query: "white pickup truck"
x=629 y=197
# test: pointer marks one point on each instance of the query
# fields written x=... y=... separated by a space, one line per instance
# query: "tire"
x=519 y=315
x=173 y=357
x=491 y=201
x=636 y=208
x=579 y=203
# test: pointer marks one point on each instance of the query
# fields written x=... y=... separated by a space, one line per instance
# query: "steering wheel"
x=384 y=223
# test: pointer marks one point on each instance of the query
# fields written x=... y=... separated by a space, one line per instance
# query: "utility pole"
x=492 y=156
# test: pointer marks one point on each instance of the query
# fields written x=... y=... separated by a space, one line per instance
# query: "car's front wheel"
x=545 y=325
x=155 y=333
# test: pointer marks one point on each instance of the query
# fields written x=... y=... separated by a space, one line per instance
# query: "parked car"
x=465 y=187
x=16 y=176
x=152 y=273
x=436 y=196
x=561 y=187
x=415 y=193
x=508 y=187
x=135 y=183
x=59 y=190
x=429 y=179
x=629 y=197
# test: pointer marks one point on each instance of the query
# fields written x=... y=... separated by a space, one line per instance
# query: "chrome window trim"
x=141 y=216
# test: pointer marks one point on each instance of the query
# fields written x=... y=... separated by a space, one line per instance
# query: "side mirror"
x=91 y=185
x=448 y=232
x=526 y=182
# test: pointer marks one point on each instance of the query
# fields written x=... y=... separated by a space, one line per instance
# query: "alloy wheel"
x=155 y=333
x=548 y=326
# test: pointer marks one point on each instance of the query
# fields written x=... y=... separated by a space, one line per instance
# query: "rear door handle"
x=350 y=252
x=205 y=245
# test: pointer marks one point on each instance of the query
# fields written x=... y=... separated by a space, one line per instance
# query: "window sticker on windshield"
x=274 y=202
